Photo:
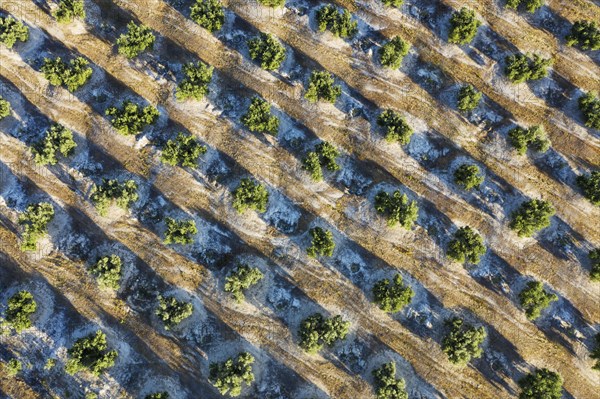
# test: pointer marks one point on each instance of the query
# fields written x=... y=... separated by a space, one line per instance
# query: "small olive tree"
x=35 y=221
x=393 y=52
x=393 y=3
x=466 y=245
x=172 y=312
x=392 y=296
x=229 y=376
x=267 y=50
x=184 y=150
x=13 y=367
x=312 y=164
x=4 y=108
x=467 y=176
x=132 y=118
x=468 y=98
x=90 y=353
x=337 y=22
x=395 y=127
x=122 y=194
x=585 y=35
x=68 y=10
x=242 y=278
x=209 y=14
x=521 y=68
x=589 y=105
x=108 y=271
x=534 y=299
x=397 y=209
x=195 y=84
x=158 y=395
x=272 y=3
x=138 y=39
x=594 y=256
x=72 y=75
x=590 y=185
x=386 y=384
x=321 y=86
x=321 y=244
x=317 y=330
x=180 y=231
x=532 y=216
x=258 y=118
x=541 y=384
x=20 y=308
x=58 y=139
x=12 y=31
x=250 y=195
x=595 y=353
x=530 y=5
x=463 y=26
x=463 y=342
x=533 y=137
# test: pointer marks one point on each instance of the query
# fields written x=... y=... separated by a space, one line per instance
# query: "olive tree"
x=463 y=26
x=532 y=216
x=395 y=127
x=337 y=22
x=90 y=354
x=397 y=209
x=35 y=221
x=209 y=14
x=13 y=367
x=533 y=137
x=468 y=177
x=20 y=308
x=195 y=84
x=68 y=10
x=468 y=98
x=158 y=395
x=184 y=150
x=138 y=39
x=595 y=353
x=272 y=3
x=466 y=245
x=122 y=194
x=242 y=278
x=180 y=231
x=594 y=256
x=324 y=156
x=392 y=296
x=387 y=386
x=590 y=185
x=229 y=376
x=58 y=139
x=172 y=312
x=4 y=108
x=541 y=384
x=258 y=118
x=317 y=330
x=321 y=242
x=521 y=68
x=530 y=5
x=321 y=86
x=589 y=105
x=108 y=271
x=267 y=50
x=534 y=299
x=392 y=3
x=132 y=118
x=463 y=342
x=12 y=31
x=392 y=52
x=250 y=195
x=72 y=75
x=585 y=34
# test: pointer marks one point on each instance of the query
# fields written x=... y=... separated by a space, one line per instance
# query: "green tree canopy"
x=272 y=3
x=463 y=26
x=90 y=353
x=393 y=3
x=122 y=194
x=259 y=117
x=12 y=31
x=322 y=242
x=58 y=139
x=534 y=299
x=4 y=108
x=468 y=98
x=541 y=384
x=242 y=278
x=590 y=185
x=397 y=208
x=171 y=311
x=585 y=34
x=533 y=137
x=595 y=353
x=466 y=245
x=337 y=22
x=386 y=384
x=589 y=105
x=132 y=118
x=72 y=75
x=158 y=395
x=195 y=85
x=20 y=308
x=184 y=150
x=392 y=296
x=395 y=127
x=250 y=195
x=463 y=342
x=317 y=330
x=321 y=86
x=594 y=256
x=209 y=14
x=532 y=216
x=268 y=50
x=69 y=10
x=180 y=231
x=521 y=68
x=229 y=376
x=392 y=53
x=312 y=164
x=35 y=221
x=467 y=176
x=137 y=39
x=530 y=5
x=108 y=271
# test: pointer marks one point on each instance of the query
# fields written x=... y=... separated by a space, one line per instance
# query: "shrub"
x=321 y=87
x=392 y=53
x=272 y=3
x=521 y=68
x=392 y=3
x=183 y=150
x=4 y=108
x=313 y=165
x=158 y=395
x=242 y=278
x=229 y=376
x=137 y=39
x=595 y=353
x=337 y=22
x=13 y=367
x=467 y=245
x=69 y=10
x=316 y=331
x=463 y=342
x=530 y=5
x=396 y=208
x=172 y=312
x=541 y=384
x=58 y=139
x=195 y=85
x=386 y=384
x=534 y=137
x=123 y=194
x=108 y=271
x=131 y=118
x=590 y=185
x=468 y=98
x=180 y=231
x=12 y=30
x=392 y=296
x=322 y=242
x=594 y=256
x=463 y=26
x=35 y=221
x=250 y=195
x=267 y=49
x=20 y=308
x=534 y=299
x=50 y=363
x=90 y=353
x=324 y=155
x=589 y=105
x=585 y=34
x=396 y=128
x=208 y=14
x=468 y=177
x=72 y=75
x=259 y=117
x=532 y=216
